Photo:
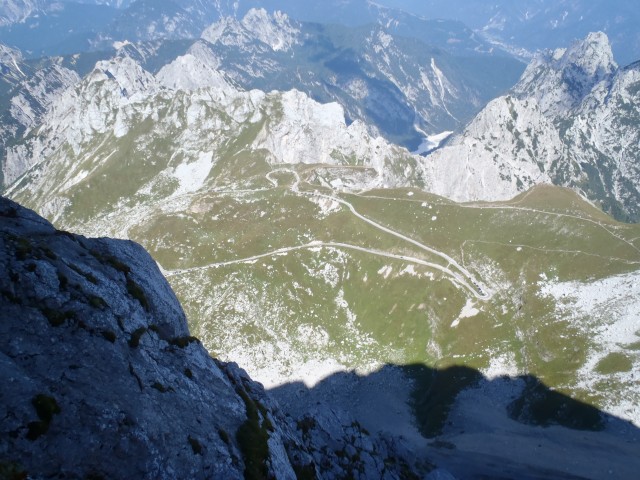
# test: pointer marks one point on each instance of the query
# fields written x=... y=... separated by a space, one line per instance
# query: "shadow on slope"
x=511 y=427
x=436 y=390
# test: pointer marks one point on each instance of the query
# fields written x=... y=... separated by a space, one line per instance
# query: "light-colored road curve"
x=479 y=291
x=459 y=274
x=506 y=206
x=457 y=278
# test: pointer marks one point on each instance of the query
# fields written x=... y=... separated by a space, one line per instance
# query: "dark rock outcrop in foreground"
x=101 y=379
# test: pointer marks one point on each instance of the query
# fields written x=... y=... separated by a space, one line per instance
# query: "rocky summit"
x=101 y=378
x=571 y=120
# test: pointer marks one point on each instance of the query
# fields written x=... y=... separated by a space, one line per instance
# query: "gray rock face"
x=560 y=80
x=571 y=120
x=26 y=92
x=101 y=372
x=101 y=378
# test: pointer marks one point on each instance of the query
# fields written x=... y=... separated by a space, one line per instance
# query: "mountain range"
x=107 y=22
x=370 y=70
x=531 y=25
x=518 y=140
x=465 y=26
x=297 y=185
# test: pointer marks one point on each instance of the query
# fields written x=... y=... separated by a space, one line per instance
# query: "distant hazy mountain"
x=447 y=33
x=13 y=11
x=525 y=26
x=406 y=76
x=52 y=28
x=400 y=87
x=46 y=27
x=571 y=120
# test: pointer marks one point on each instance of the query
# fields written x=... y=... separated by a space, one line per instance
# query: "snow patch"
x=193 y=175
x=469 y=310
x=431 y=142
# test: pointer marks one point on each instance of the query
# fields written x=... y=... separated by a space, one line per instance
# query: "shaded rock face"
x=101 y=378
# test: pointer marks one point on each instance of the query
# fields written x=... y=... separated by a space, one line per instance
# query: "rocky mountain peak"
x=572 y=120
x=76 y=110
x=124 y=71
x=561 y=79
x=130 y=50
x=222 y=31
x=275 y=30
x=198 y=68
x=592 y=55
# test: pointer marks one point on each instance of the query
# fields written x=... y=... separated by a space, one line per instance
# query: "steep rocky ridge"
x=571 y=120
x=121 y=111
x=26 y=92
x=103 y=378
x=403 y=87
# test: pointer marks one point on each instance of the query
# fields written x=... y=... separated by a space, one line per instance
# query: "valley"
x=386 y=276
x=390 y=236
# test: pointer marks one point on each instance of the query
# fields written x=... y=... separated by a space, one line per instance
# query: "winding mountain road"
x=319 y=244
x=459 y=274
x=462 y=275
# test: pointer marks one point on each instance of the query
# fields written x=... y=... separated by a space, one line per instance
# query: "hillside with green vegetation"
x=305 y=248
x=294 y=280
